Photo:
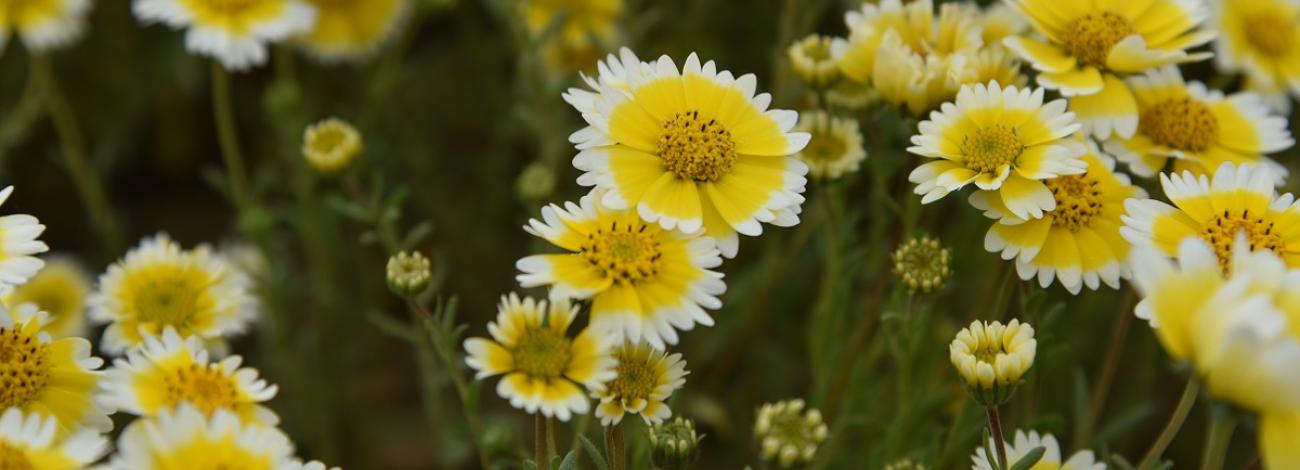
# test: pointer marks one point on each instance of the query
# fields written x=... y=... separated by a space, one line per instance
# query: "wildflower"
x=1079 y=241
x=330 y=145
x=811 y=59
x=543 y=367
x=165 y=372
x=48 y=377
x=1259 y=39
x=993 y=64
x=835 y=147
x=18 y=245
x=922 y=263
x=851 y=95
x=787 y=433
x=992 y=358
x=536 y=181
x=1051 y=458
x=643 y=381
x=1198 y=128
x=408 y=273
x=43 y=25
x=905 y=464
x=234 y=33
x=999 y=20
x=674 y=445
x=611 y=72
x=693 y=149
x=60 y=290
x=1238 y=199
x=1092 y=44
x=29 y=440
x=351 y=30
x=1028 y=143
x=159 y=284
x=645 y=282
x=579 y=20
x=188 y=438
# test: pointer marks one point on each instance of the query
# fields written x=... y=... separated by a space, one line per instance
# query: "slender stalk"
x=615 y=449
x=1185 y=403
x=228 y=135
x=1101 y=390
x=550 y=437
x=540 y=451
x=866 y=326
x=1222 y=423
x=458 y=381
x=995 y=427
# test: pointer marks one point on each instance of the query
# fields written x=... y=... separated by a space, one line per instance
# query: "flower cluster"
x=788 y=433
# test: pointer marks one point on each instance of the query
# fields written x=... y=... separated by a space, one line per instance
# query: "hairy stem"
x=995 y=427
x=1185 y=403
x=228 y=135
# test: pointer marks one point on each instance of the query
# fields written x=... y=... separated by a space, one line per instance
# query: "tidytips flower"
x=643 y=381
x=351 y=30
x=236 y=33
x=60 y=290
x=188 y=438
x=408 y=273
x=787 y=433
x=836 y=145
x=579 y=20
x=18 y=245
x=1051 y=458
x=544 y=368
x=31 y=441
x=330 y=145
x=1001 y=139
x=922 y=263
x=43 y=25
x=999 y=20
x=1260 y=38
x=992 y=358
x=811 y=59
x=674 y=445
x=48 y=377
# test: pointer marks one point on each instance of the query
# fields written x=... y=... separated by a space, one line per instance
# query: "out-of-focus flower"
x=1024 y=443
x=835 y=147
x=922 y=263
x=33 y=441
x=674 y=445
x=992 y=358
x=234 y=32
x=43 y=25
x=811 y=59
x=787 y=433
x=1078 y=241
x=999 y=20
x=408 y=273
x=1198 y=128
x=580 y=20
x=48 y=377
x=644 y=282
x=330 y=145
x=18 y=245
x=351 y=30
x=159 y=284
x=544 y=368
x=643 y=381
x=1260 y=38
x=59 y=289
x=851 y=95
x=1030 y=142
x=1092 y=44
x=712 y=158
x=536 y=181
x=905 y=464
x=993 y=64
x=186 y=437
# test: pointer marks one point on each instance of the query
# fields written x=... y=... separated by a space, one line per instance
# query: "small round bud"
x=904 y=464
x=811 y=58
x=330 y=145
x=408 y=273
x=787 y=433
x=674 y=445
x=922 y=264
x=536 y=182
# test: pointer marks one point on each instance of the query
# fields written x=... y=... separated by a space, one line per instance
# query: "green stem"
x=1185 y=403
x=539 y=441
x=995 y=427
x=228 y=135
x=615 y=449
x=550 y=437
x=447 y=355
x=1222 y=423
x=1101 y=390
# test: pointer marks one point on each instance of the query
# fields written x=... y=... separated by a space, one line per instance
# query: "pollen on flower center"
x=13 y=458
x=991 y=147
x=1078 y=200
x=542 y=352
x=24 y=367
x=628 y=252
x=1091 y=37
x=168 y=301
x=636 y=377
x=204 y=387
x=1270 y=34
x=1181 y=123
x=695 y=148
x=1222 y=231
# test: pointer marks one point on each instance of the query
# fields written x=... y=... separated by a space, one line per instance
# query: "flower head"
x=48 y=377
x=32 y=441
x=351 y=30
x=234 y=32
x=43 y=25
x=60 y=290
x=835 y=147
x=189 y=438
x=905 y=464
x=536 y=181
x=674 y=445
x=330 y=145
x=17 y=245
x=992 y=358
x=787 y=433
x=811 y=59
x=543 y=366
x=643 y=381
x=408 y=273
x=922 y=263
x=580 y=20
x=1260 y=38
x=1024 y=443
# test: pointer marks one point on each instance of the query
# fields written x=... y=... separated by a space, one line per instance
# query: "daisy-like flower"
x=330 y=145
x=1091 y=44
x=187 y=438
x=789 y=434
x=351 y=30
x=48 y=377
x=1262 y=39
x=993 y=64
x=60 y=290
x=992 y=357
x=693 y=149
x=1002 y=139
x=611 y=73
x=1051 y=459
x=168 y=371
x=544 y=368
x=851 y=95
x=43 y=24
x=835 y=147
x=580 y=20
x=159 y=284
x=30 y=441
x=234 y=32
x=811 y=59
x=1238 y=199
x=643 y=381
x=1078 y=241
x=1198 y=127
x=18 y=243
x=999 y=20
x=645 y=282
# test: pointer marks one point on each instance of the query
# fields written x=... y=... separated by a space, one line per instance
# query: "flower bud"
x=408 y=273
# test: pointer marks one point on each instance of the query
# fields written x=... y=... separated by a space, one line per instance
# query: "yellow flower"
x=408 y=273
x=693 y=148
x=613 y=72
x=186 y=438
x=158 y=284
x=787 y=433
x=992 y=358
x=811 y=59
x=30 y=441
x=1051 y=459
x=999 y=20
x=835 y=147
x=1002 y=139
x=1197 y=127
x=48 y=377
x=1079 y=241
x=1238 y=199
x=234 y=32
x=643 y=381
x=1260 y=38
x=580 y=20
x=330 y=145
x=351 y=30
x=1091 y=43
x=165 y=372
x=60 y=290
x=18 y=244
x=42 y=24
x=851 y=95
x=644 y=282
x=992 y=64
x=543 y=367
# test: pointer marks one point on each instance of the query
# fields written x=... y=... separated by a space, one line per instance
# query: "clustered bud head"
x=408 y=273
x=923 y=264
x=674 y=445
x=812 y=60
x=330 y=145
x=992 y=358
x=787 y=433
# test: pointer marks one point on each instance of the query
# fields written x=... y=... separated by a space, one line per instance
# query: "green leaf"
x=593 y=452
x=570 y=461
x=1030 y=459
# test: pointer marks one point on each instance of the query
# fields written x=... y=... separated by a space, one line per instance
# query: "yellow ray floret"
x=234 y=32
x=43 y=24
x=30 y=441
x=48 y=377
x=351 y=30
x=187 y=438
x=59 y=289
x=1260 y=38
x=643 y=381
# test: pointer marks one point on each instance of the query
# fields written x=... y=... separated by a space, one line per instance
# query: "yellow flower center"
x=629 y=253
x=1078 y=200
x=989 y=148
x=13 y=458
x=987 y=352
x=825 y=147
x=695 y=148
x=1181 y=123
x=542 y=353
x=203 y=386
x=1090 y=38
x=1222 y=230
x=229 y=6
x=637 y=377
x=1270 y=34
x=24 y=367
x=169 y=301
